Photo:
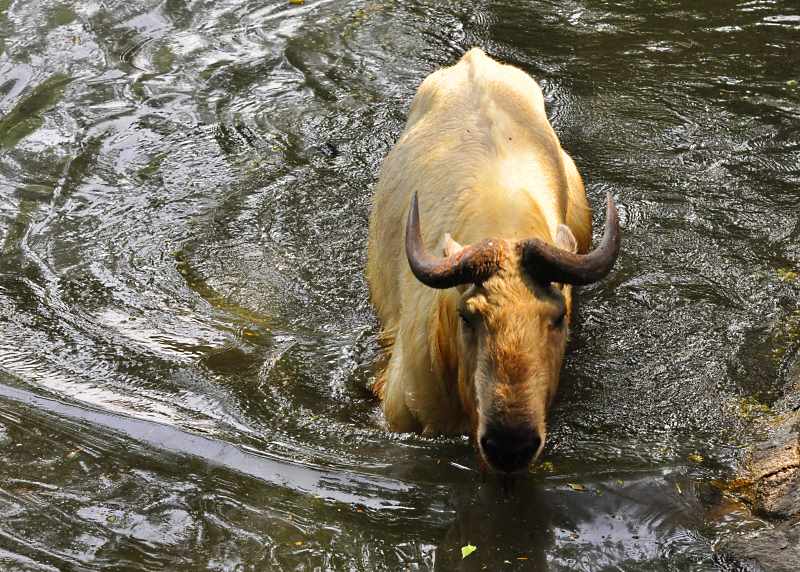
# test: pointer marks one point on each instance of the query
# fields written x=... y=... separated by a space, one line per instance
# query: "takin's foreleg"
x=389 y=387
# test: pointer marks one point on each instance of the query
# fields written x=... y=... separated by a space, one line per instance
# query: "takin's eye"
x=465 y=318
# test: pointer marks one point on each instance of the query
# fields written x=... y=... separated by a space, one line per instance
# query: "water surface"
x=185 y=336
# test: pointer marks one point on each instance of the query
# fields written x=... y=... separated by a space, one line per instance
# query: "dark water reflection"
x=184 y=333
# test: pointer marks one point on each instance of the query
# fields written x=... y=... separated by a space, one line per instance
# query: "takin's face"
x=513 y=332
x=513 y=328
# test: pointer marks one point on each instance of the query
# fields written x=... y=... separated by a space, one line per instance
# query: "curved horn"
x=548 y=262
x=472 y=264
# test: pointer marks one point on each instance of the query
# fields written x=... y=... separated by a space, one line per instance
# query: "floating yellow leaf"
x=467 y=550
x=576 y=487
x=695 y=458
x=297 y=2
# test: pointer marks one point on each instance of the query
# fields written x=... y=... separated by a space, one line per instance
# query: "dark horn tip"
x=612 y=220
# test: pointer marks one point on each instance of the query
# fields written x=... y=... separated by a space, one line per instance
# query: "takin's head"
x=514 y=317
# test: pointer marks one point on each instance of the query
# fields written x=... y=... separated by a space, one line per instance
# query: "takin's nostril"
x=510 y=449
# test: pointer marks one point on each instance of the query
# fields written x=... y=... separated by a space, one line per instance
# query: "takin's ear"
x=451 y=247
x=565 y=239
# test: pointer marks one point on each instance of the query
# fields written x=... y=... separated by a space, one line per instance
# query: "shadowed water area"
x=185 y=334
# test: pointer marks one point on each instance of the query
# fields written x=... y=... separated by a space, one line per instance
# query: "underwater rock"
x=770 y=550
x=774 y=494
x=775 y=471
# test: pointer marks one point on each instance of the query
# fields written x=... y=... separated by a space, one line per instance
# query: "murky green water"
x=185 y=337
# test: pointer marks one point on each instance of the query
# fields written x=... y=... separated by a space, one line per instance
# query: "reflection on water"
x=185 y=339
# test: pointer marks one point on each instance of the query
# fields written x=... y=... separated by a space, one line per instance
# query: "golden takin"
x=475 y=337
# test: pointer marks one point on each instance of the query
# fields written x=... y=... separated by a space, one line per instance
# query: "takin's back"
x=485 y=162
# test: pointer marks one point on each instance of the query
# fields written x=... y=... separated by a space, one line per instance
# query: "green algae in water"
x=164 y=59
x=750 y=408
x=27 y=116
x=60 y=15
x=152 y=167
x=786 y=336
